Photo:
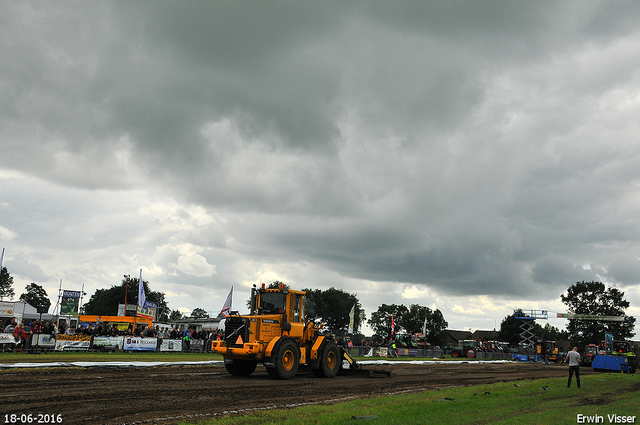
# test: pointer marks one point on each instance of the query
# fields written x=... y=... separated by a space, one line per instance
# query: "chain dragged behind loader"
x=278 y=334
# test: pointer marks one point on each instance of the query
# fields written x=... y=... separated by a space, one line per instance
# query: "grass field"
x=522 y=403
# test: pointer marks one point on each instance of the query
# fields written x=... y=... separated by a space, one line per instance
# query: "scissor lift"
x=528 y=318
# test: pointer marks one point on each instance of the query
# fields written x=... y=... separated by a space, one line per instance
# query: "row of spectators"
x=21 y=332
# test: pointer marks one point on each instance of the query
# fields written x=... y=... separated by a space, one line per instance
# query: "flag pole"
x=126 y=289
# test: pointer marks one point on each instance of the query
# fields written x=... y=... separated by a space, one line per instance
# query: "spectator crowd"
x=22 y=333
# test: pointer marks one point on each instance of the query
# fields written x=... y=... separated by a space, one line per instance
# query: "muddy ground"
x=167 y=395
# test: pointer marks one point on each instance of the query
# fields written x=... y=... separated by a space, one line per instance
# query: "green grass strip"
x=542 y=401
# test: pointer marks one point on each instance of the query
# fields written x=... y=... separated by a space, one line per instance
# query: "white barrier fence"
x=46 y=342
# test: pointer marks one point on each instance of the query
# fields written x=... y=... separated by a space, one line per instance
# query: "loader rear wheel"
x=287 y=360
x=241 y=367
x=330 y=360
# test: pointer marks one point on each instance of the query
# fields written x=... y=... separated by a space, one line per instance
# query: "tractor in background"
x=466 y=348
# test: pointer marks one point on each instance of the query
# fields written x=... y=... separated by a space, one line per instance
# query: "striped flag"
x=142 y=299
x=351 y=314
x=392 y=324
x=226 y=308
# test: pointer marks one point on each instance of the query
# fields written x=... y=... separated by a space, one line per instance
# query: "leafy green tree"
x=413 y=320
x=276 y=285
x=199 y=313
x=551 y=333
x=6 y=285
x=510 y=329
x=104 y=302
x=175 y=315
x=380 y=320
x=35 y=296
x=593 y=298
x=332 y=308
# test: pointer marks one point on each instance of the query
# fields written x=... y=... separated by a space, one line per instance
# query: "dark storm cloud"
x=474 y=148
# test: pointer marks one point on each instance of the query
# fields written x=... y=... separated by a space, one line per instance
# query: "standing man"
x=573 y=357
x=547 y=354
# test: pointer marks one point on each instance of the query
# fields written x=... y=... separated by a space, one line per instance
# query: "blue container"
x=611 y=363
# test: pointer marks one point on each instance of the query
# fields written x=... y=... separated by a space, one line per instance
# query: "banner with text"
x=7 y=338
x=72 y=342
x=171 y=345
x=590 y=317
x=46 y=341
x=108 y=341
x=140 y=344
x=69 y=303
x=7 y=309
x=149 y=310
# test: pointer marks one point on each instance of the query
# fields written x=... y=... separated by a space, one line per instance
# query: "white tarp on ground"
x=220 y=362
x=109 y=364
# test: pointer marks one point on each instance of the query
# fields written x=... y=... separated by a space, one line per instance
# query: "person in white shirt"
x=573 y=357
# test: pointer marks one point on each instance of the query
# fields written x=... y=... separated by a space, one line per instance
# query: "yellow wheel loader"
x=277 y=334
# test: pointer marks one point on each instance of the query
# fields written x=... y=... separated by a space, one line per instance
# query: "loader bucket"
x=351 y=367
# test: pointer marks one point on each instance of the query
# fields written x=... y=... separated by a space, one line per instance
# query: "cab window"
x=272 y=302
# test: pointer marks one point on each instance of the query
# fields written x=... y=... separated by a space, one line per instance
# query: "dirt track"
x=166 y=395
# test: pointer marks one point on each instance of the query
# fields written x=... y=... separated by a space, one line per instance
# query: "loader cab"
x=279 y=301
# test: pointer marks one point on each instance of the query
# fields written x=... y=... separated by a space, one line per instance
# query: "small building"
x=26 y=313
x=453 y=336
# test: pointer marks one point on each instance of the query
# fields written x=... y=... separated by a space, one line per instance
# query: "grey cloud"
x=21 y=266
x=625 y=271
x=476 y=148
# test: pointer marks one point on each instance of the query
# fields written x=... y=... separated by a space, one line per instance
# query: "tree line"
x=331 y=308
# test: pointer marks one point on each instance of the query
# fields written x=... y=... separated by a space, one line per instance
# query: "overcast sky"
x=475 y=157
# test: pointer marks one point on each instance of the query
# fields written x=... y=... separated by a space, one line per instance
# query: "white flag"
x=142 y=299
x=226 y=308
x=424 y=327
x=353 y=309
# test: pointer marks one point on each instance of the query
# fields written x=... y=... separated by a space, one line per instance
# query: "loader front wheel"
x=330 y=360
x=287 y=360
x=241 y=367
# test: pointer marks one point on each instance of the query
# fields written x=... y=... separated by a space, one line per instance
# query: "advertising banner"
x=108 y=341
x=7 y=338
x=171 y=345
x=46 y=341
x=72 y=342
x=7 y=309
x=590 y=317
x=140 y=344
x=69 y=303
x=197 y=345
x=149 y=310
